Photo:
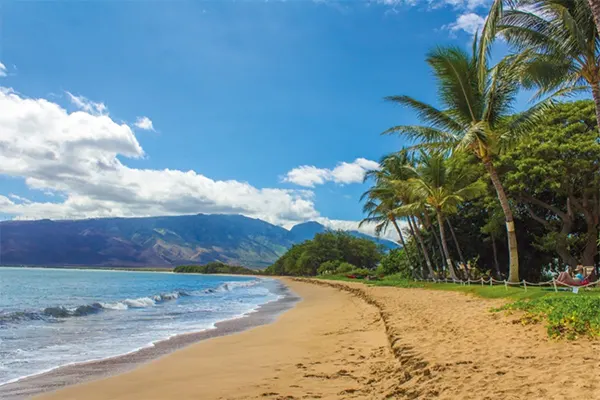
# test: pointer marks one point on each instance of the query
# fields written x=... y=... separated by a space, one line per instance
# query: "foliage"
x=396 y=262
x=565 y=317
x=344 y=268
x=215 y=268
x=476 y=100
x=306 y=258
x=359 y=272
x=329 y=267
x=554 y=175
x=558 y=43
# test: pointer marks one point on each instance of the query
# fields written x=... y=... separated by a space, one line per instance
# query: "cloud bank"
x=74 y=155
x=343 y=173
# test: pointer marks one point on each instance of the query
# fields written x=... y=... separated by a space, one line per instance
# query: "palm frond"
x=427 y=113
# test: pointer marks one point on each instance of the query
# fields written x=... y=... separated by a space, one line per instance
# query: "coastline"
x=78 y=373
x=347 y=340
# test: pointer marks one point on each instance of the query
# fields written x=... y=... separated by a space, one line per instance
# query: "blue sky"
x=239 y=92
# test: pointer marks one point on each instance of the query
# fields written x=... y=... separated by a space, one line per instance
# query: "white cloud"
x=76 y=156
x=470 y=23
x=3 y=71
x=19 y=198
x=144 y=123
x=308 y=176
x=367 y=228
x=343 y=173
x=87 y=105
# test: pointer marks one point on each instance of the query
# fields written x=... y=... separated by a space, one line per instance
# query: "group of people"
x=577 y=278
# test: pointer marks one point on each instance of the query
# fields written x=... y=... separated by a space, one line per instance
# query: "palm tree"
x=441 y=188
x=386 y=193
x=558 y=42
x=379 y=207
x=476 y=102
x=381 y=198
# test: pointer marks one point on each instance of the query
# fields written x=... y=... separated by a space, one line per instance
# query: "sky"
x=270 y=109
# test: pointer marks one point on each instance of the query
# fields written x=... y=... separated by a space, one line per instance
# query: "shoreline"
x=78 y=373
x=331 y=345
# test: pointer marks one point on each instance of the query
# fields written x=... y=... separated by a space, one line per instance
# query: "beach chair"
x=590 y=274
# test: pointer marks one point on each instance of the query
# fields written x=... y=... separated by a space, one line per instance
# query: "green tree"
x=553 y=174
x=305 y=259
x=441 y=187
x=476 y=100
x=385 y=196
x=558 y=43
x=396 y=262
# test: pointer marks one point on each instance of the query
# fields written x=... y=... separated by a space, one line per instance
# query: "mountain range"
x=153 y=241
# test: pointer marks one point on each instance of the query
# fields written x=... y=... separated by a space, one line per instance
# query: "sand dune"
x=347 y=341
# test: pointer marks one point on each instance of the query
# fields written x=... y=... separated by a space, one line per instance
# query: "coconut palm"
x=476 y=102
x=379 y=207
x=441 y=187
x=558 y=43
x=382 y=198
x=386 y=193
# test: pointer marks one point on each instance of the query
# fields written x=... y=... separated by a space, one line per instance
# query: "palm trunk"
x=410 y=259
x=595 y=6
x=429 y=226
x=440 y=219
x=496 y=263
x=425 y=253
x=596 y=85
x=417 y=245
x=460 y=253
x=513 y=251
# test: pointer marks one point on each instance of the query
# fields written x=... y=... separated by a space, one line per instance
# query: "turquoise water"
x=54 y=317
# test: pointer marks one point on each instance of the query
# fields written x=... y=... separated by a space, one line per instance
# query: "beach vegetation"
x=328 y=252
x=476 y=101
x=539 y=210
x=564 y=317
x=215 y=267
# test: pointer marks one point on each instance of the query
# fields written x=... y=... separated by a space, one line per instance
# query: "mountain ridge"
x=149 y=241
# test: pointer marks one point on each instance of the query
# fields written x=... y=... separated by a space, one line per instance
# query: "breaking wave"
x=56 y=314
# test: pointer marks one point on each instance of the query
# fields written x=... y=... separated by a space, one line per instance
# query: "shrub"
x=328 y=267
x=568 y=317
x=396 y=261
x=360 y=272
x=344 y=268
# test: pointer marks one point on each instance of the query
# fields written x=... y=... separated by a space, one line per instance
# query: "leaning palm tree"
x=441 y=188
x=382 y=199
x=476 y=102
x=379 y=206
x=386 y=193
x=558 y=43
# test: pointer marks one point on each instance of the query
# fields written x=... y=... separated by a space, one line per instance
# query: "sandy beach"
x=347 y=341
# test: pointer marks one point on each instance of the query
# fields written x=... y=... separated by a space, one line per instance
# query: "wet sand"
x=329 y=345
x=85 y=372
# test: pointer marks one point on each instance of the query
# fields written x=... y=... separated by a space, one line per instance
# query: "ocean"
x=56 y=317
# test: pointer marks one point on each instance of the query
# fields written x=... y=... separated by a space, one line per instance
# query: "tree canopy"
x=304 y=259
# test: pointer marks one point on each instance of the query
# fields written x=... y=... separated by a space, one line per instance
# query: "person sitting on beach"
x=566 y=278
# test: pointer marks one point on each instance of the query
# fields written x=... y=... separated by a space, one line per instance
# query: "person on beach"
x=578 y=280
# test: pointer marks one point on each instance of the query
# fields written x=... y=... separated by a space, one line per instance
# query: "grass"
x=565 y=317
x=565 y=314
x=485 y=291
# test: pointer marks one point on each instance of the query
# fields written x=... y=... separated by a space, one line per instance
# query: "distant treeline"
x=215 y=268
x=334 y=252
